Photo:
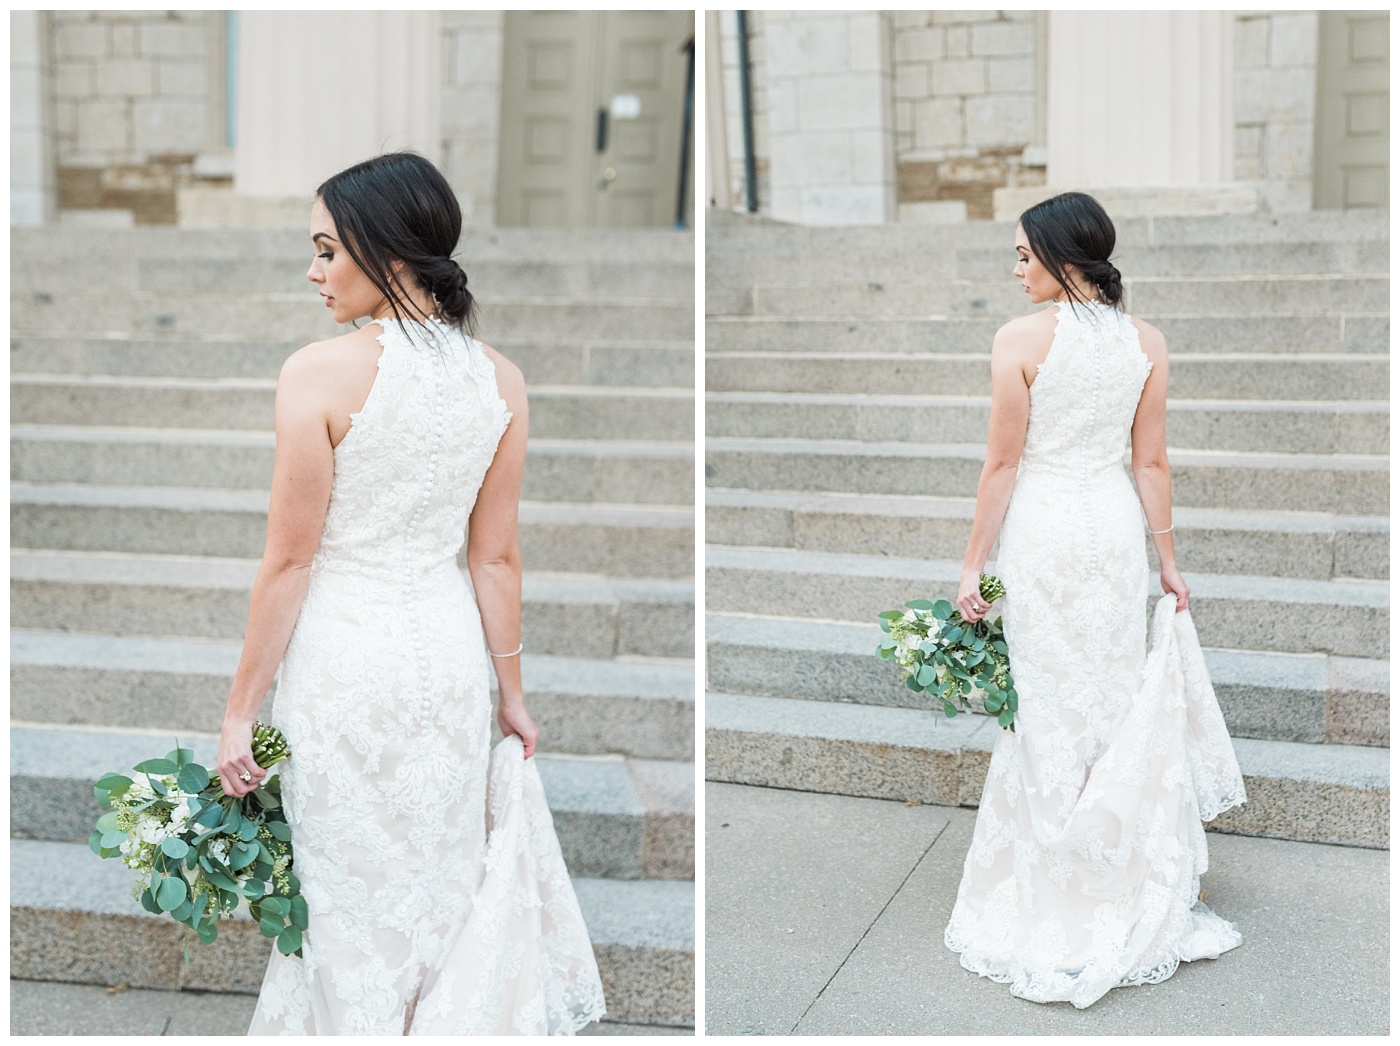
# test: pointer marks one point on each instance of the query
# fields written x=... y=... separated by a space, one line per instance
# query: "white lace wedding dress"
x=1085 y=861
x=439 y=903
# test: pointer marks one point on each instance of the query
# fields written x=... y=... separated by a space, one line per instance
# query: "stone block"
x=1011 y=74
x=782 y=107
x=65 y=115
x=103 y=125
x=181 y=78
x=73 y=79
x=958 y=76
x=965 y=16
x=1293 y=39
x=918 y=45
x=904 y=124
x=170 y=39
x=125 y=76
x=850 y=102
x=847 y=204
x=957 y=41
x=910 y=19
x=123 y=40
x=1262 y=95
x=866 y=33
x=938 y=122
x=807 y=45
x=1251 y=41
x=1000 y=119
x=1003 y=38
x=1288 y=150
x=869 y=152
x=80 y=40
x=479 y=56
x=911 y=80
x=175 y=126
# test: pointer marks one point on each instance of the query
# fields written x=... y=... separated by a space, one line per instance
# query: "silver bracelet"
x=1167 y=531
x=511 y=654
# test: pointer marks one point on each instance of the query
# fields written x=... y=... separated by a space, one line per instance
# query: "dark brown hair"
x=399 y=207
x=1074 y=229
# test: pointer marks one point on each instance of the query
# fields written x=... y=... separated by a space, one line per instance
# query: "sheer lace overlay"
x=1084 y=865
x=438 y=902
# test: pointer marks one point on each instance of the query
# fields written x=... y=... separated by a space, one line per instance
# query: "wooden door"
x=591 y=114
x=1351 y=165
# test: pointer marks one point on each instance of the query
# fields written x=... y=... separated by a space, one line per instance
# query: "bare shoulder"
x=510 y=383
x=1153 y=342
x=1025 y=336
x=326 y=359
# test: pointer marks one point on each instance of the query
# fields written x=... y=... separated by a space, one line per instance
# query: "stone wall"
x=132 y=106
x=967 y=105
x=1275 y=101
x=473 y=43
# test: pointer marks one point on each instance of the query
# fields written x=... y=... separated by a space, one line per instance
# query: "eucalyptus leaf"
x=179 y=756
x=298 y=913
x=113 y=839
x=148 y=901
x=208 y=933
x=271 y=926
x=156 y=766
x=1006 y=717
x=170 y=893
x=289 y=940
x=173 y=846
x=249 y=830
x=193 y=778
x=95 y=842
x=942 y=609
x=920 y=604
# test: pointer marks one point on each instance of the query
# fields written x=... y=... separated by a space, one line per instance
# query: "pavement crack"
x=878 y=915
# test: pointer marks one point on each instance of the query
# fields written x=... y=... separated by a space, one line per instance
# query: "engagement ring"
x=245 y=776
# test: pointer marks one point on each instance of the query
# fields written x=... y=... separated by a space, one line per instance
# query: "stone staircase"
x=143 y=368
x=847 y=410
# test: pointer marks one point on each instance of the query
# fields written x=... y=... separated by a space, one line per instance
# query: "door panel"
x=1352 y=160
x=562 y=68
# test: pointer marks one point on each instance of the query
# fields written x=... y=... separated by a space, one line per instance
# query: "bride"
x=437 y=897
x=1084 y=868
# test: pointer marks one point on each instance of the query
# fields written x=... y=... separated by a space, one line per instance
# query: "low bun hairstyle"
x=399 y=207
x=1073 y=229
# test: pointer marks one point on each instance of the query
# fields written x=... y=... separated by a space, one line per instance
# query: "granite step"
x=636 y=472
x=1241 y=376
x=863 y=243
x=73 y=919
x=1364 y=257
x=1315 y=545
x=616 y=818
x=597 y=538
x=1314 y=698
x=1354 y=484
x=1288 y=615
x=100 y=272
x=495 y=245
x=1337 y=794
x=592 y=412
x=564 y=615
x=1206 y=335
x=1003 y=296
x=1276 y=426
x=543 y=361
x=642 y=707
x=302 y=316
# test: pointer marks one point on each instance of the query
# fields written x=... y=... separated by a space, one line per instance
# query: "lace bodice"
x=1085 y=395
x=430 y=424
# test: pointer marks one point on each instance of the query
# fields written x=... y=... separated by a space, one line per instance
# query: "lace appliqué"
x=384 y=698
x=1083 y=870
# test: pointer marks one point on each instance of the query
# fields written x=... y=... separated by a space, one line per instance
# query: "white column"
x=831 y=128
x=1139 y=99
x=320 y=91
x=31 y=154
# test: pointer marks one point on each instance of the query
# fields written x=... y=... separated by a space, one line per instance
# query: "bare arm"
x=301 y=489
x=493 y=554
x=1150 y=466
x=1006 y=437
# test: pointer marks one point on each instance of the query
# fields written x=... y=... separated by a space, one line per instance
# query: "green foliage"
x=956 y=662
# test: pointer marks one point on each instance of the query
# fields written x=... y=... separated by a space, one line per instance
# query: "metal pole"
x=746 y=101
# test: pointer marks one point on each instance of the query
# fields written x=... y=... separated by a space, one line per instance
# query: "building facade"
x=566 y=118
x=925 y=116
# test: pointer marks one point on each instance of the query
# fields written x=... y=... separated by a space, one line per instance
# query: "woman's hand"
x=513 y=719
x=970 y=602
x=1175 y=584
x=236 y=758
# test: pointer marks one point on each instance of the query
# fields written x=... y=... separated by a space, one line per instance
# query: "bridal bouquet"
x=943 y=655
x=198 y=852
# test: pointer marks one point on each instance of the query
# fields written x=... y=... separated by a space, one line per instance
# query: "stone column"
x=1140 y=99
x=831 y=127
x=319 y=91
x=31 y=149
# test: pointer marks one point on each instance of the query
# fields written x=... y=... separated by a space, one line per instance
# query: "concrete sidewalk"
x=825 y=915
x=46 y=1008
